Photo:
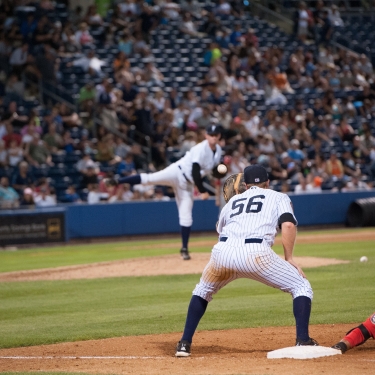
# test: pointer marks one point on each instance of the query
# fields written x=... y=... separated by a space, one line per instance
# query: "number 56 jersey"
x=254 y=214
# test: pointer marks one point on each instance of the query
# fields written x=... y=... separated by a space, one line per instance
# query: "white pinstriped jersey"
x=203 y=155
x=254 y=214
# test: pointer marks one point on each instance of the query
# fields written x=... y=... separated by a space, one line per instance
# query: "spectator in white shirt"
x=308 y=187
x=43 y=199
x=90 y=64
x=19 y=57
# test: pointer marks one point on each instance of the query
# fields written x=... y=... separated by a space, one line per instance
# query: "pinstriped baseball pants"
x=234 y=259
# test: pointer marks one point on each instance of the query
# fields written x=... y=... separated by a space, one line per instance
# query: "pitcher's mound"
x=303 y=352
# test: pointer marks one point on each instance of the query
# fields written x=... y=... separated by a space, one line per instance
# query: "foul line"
x=81 y=357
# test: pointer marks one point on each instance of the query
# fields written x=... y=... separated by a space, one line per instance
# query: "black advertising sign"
x=32 y=228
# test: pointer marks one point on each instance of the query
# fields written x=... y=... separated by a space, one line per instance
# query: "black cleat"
x=309 y=342
x=185 y=253
x=340 y=346
x=183 y=349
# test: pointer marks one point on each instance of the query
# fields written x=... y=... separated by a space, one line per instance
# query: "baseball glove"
x=233 y=185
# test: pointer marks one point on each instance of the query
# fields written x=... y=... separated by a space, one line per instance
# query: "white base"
x=303 y=352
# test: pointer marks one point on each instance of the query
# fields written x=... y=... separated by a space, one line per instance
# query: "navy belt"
x=247 y=240
x=184 y=174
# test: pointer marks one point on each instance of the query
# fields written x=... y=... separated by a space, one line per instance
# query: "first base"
x=303 y=352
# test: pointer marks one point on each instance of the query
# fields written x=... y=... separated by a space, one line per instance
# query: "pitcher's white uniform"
x=247 y=228
x=179 y=176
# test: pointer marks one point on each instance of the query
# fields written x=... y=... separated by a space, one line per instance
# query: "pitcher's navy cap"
x=213 y=129
x=255 y=174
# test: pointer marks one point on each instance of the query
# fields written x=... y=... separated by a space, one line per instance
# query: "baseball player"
x=247 y=227
x=201 y=160
x=358 y=335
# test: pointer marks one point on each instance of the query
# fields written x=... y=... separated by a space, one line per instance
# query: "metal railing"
x=271 y=16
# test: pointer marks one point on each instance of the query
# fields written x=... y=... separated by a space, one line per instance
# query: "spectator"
x=15 y=86
x=23 y=178
x=76 y=17
x=15 y=153
x=71 y=195
x=236 y=36
x=266 y=145
x=280 y=134
x=90 y=64
x=27 y=200
x=326 y=29
x=223 y=9
x=346 y=78
x=355 y=184
x=276 y=171
x=308 y=187
x=86 y=97
x=294 y=152
x=106 y=150
x=126 y=167
x=82 y=35
x=52 y=139
x=292 y=168
x=37 y=153
x=93 y=18
x=152 y=75
x=335 y=17
x=19 y=58
x=8 y=196
x=251 y=40
x=302 y=21
x=3 y=155
x=44 y=198
x=95 y=196
x=187 y=26
x=125 y=44
x=47 y=64
x=334 y=167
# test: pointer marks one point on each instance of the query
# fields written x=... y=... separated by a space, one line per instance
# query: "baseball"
x=222 y=168
x=363 y=259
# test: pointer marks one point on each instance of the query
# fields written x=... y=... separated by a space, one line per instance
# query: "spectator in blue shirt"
x=71 y=195
x=8 y=196
x=235 y=37
x=294 y=152
x=126 y=167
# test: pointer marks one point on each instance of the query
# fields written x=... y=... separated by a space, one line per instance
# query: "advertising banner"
x=32 y=228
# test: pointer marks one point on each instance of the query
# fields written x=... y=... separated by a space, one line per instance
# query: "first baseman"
x=182 y=175
x=247 y=228
x=358 y=335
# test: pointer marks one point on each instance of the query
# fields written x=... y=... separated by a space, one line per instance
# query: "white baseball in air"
x=222 y=168
x=363 y=259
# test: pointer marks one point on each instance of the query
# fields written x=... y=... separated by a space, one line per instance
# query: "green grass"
x=43 y=312
x=67 y=255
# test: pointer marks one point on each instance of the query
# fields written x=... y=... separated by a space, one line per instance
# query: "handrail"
x=271 y=16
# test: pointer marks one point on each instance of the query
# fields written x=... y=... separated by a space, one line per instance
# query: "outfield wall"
x=78 y=221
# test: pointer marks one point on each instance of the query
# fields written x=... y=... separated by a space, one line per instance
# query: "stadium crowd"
x=307 y=113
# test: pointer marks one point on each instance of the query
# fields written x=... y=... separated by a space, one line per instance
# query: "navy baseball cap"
x=213 y=129
x=255 y=174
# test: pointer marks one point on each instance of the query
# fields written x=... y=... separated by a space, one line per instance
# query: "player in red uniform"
x=358 y=335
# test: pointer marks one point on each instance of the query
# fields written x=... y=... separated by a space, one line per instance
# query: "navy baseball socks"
x=301 y=311
x=185 y=234
x=132 y=180
x=196 y=310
